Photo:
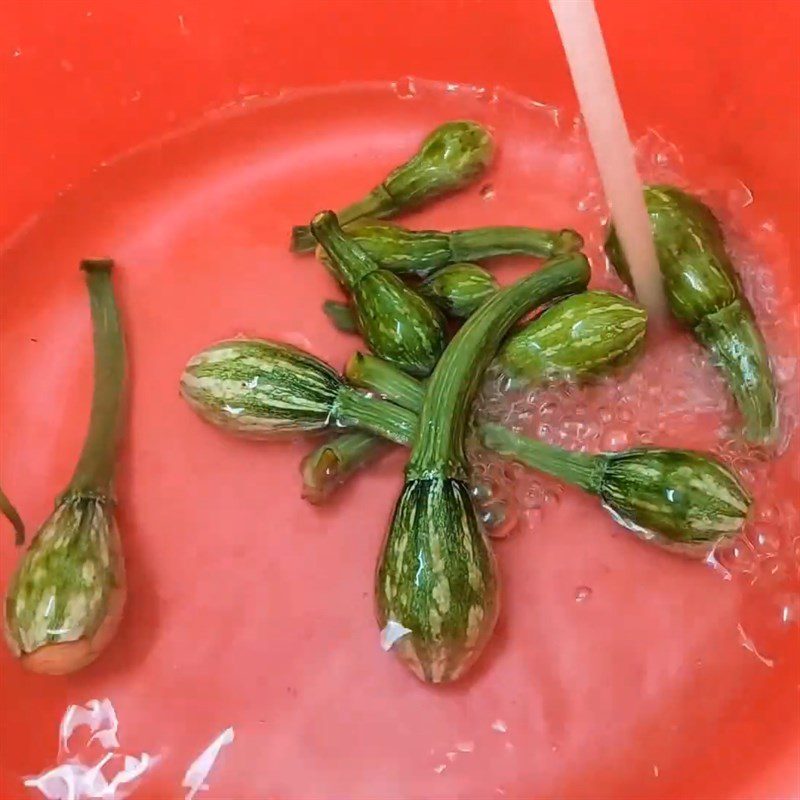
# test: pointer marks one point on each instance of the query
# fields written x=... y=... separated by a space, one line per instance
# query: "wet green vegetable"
x=262 y=389
x=580 y=337
x=396 y=322
x=330 y=464
x=451 y=156
x=64 y=602
x=704 y=294
x=420 y=253
x=459 y=289
x=341 y=315
x=678 y=497
x=436 y=575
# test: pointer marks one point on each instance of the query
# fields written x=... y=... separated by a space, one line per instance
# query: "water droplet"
x=486 y=95
x=405 y=88
x=440 y=768
x=790 y=609
x=500 y=726
x=613 y=440
x=16 y=52
x=465 y=747
x=582 y=594
x=487 y=192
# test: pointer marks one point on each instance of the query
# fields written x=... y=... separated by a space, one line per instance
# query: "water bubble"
x=766 y=540
x=405 y=88
x=582 y=594
x=499 y=519
x=481 y=492
x=737 y=558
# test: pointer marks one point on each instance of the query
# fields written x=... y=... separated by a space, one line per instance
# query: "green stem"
x=472 y=245
x=580 y=469
x=12 y=515
x=455 y=380
x=349 y=260
x=377 y=204
x=341 y=316
x=355 y=409
x=95 y=469
x=379 y=376
x=333 y=462
x=735 y=341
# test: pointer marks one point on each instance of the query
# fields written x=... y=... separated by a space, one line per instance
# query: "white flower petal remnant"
x=392 y=633
x=99 y=716
x=76 y=781
x=199 y=769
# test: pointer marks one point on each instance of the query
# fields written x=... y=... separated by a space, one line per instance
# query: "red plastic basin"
x=246 y=606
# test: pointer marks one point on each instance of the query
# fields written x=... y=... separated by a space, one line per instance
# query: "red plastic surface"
x=248 y=607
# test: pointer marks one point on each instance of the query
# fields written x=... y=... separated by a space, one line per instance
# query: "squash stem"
x=349 y=260
x=354 y=409
x=341 y=316
x=377 y=204
x=579 y=469
x=440 y=447
x=332 y=463
x=471 y=245
x=379 y=376
x=95 y=469
x=12 y=515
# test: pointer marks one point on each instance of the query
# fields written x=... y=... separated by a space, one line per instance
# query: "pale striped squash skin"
x=259 y=388
x=581 y=336
x=61 y=589
x=685 y=496
x=437 y=577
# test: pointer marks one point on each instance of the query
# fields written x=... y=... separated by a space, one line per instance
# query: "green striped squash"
x=450 y=157
x=260 y=388
x=704 y=293
x=685 y=496
x=437 y=578
x=583 y=335
x=62 y=589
